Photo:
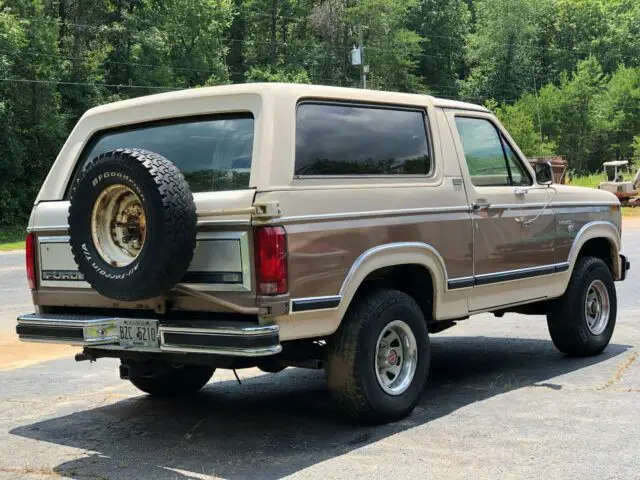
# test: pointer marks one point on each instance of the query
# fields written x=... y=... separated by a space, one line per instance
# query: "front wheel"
x=581 y=322
x=176 y=382
x=378 y=360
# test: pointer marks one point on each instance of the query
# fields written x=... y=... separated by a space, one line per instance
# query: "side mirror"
x=544 y=173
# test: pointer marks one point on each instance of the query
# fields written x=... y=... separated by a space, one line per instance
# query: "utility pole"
x=363 y=69
x=357 y=57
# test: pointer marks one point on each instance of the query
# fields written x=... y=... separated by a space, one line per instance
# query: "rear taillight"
x=30 y=246
x=271 y=260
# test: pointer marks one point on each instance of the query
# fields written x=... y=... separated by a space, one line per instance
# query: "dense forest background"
x=563 y=75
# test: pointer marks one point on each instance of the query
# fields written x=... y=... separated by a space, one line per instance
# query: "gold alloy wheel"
x=118 y=225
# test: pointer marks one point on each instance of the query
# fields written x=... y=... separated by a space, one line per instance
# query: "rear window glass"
x=358 y=140
x=213 y=154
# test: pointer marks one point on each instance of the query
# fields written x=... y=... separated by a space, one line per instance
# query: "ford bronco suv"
x=269 y=225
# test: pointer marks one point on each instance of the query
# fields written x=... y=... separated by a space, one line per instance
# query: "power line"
x=110 y=62
x=59 y=82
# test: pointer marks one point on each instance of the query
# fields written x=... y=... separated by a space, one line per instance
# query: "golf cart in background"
x=621 y=182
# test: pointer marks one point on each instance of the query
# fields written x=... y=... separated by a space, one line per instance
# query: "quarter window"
x=490 y=159
x=344 y=140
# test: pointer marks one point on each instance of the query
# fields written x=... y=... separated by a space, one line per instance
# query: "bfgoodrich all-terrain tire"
x=378 y=360
x=581 y=322
x=176 y=382
x=132 y=223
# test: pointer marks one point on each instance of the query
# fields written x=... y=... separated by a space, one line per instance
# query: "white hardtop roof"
x=615 y=163
x=297 y=90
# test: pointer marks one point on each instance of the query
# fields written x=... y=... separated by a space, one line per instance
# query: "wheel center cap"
x=392 y=357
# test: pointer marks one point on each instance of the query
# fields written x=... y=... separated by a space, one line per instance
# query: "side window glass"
x=483 y=152
x=351 y=140
x=519 y=175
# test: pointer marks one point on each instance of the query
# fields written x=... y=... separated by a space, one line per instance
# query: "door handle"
x=480 y=204
x=521 y=192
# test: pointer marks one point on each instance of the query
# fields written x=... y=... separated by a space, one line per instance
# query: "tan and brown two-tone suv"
x=290 y=225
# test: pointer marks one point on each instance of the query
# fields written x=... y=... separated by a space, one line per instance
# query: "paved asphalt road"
x=502 y=403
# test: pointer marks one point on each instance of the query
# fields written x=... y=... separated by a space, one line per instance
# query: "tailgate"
x=221 y=264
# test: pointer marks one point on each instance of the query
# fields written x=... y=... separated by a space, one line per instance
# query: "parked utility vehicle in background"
x=292 y=225
x=625 y=189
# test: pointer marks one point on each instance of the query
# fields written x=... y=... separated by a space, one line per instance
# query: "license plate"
x=134 y=332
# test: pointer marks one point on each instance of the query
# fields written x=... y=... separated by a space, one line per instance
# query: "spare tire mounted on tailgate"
x=132 y=224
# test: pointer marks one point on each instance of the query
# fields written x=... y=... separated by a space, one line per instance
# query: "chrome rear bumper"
x=241 y=339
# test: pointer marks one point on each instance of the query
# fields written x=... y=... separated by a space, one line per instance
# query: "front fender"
x=597 y=229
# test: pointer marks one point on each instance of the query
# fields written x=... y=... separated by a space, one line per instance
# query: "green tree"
x=30 y=112
x=562 y=75
x=518 y=119
x=443 y=26
x=508 y=54
x=391 y=50
x=616 y=113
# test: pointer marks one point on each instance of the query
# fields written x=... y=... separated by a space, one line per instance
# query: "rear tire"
x=176 y=382
x=581 y=322
x=378 y=360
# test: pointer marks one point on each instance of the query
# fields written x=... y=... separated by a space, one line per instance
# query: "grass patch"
x=592 y=180
x=631 y=211
x=11 y=238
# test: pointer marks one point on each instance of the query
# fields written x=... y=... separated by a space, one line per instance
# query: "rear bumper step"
x=242 y=339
